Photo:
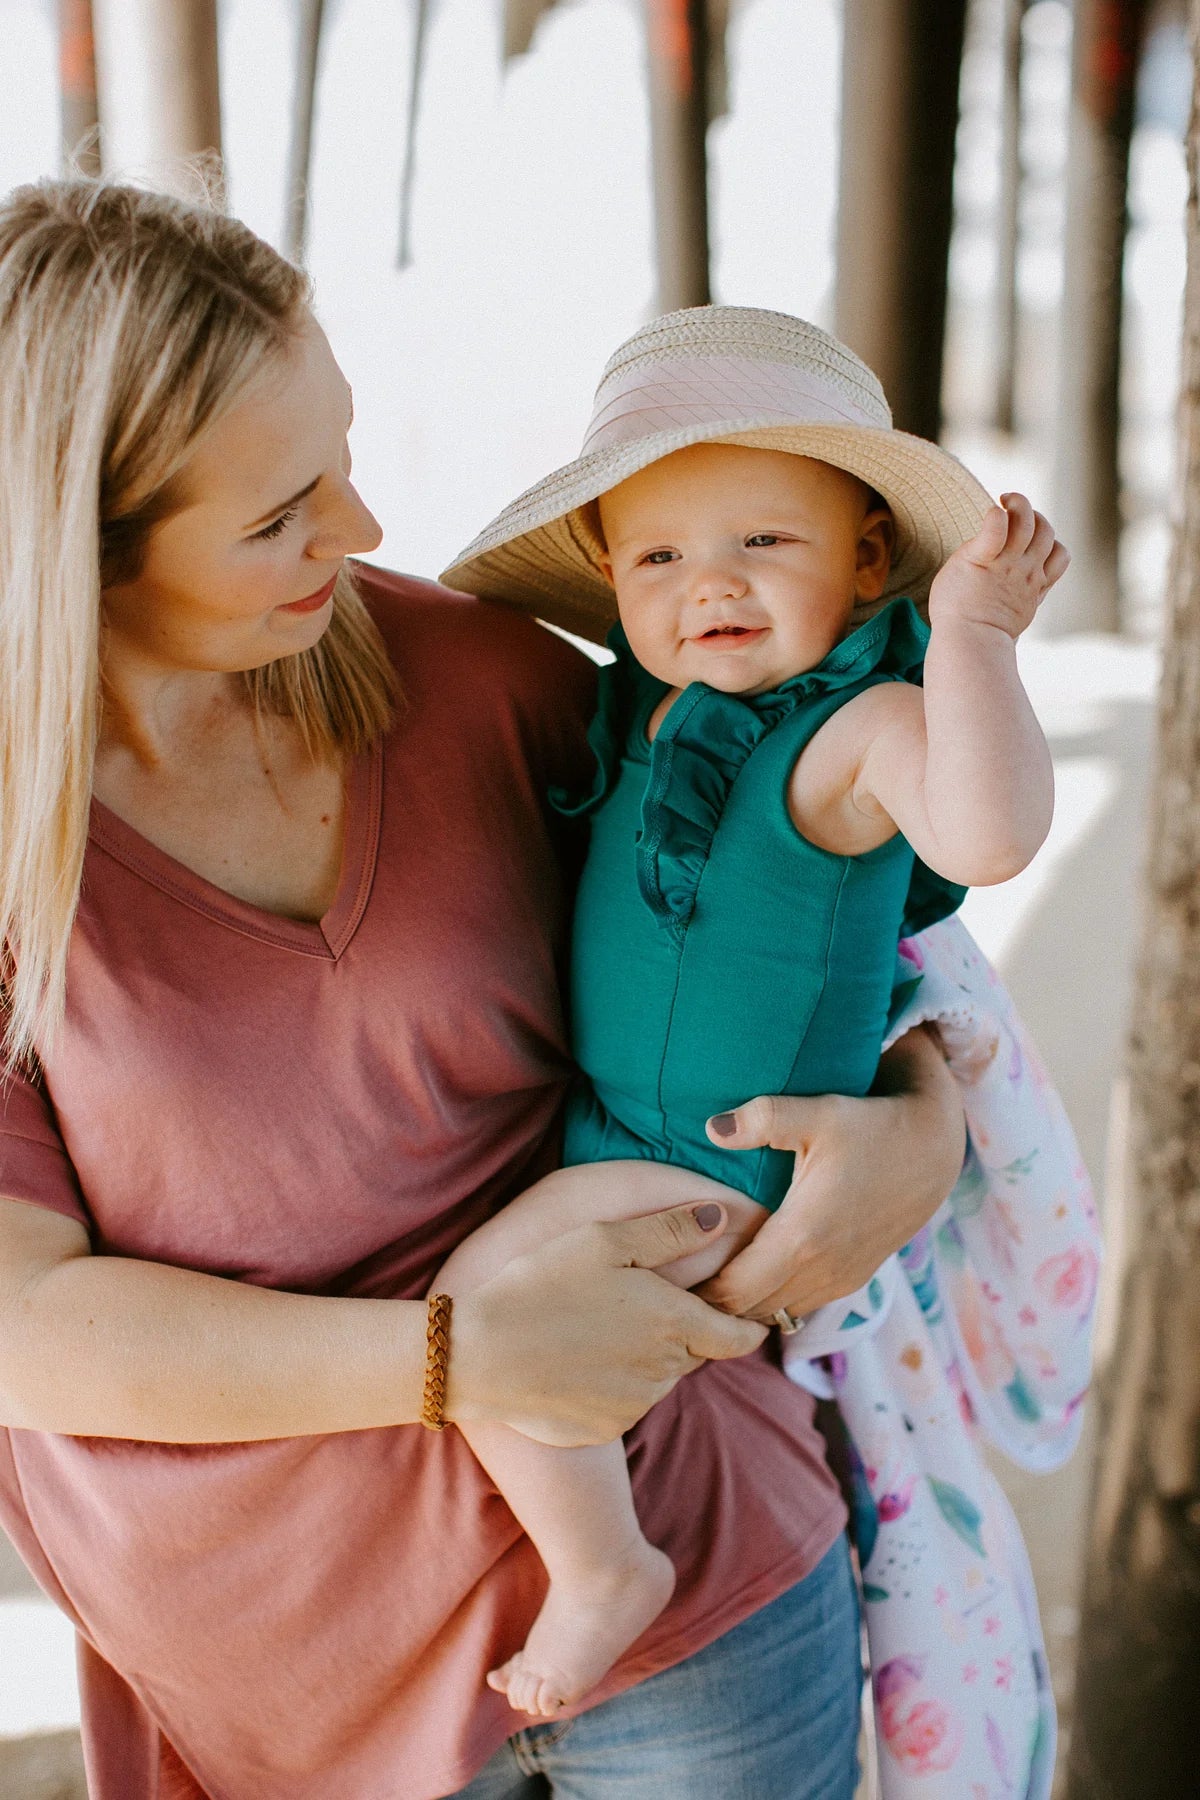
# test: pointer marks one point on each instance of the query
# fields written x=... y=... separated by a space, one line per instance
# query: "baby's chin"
x=741 y=673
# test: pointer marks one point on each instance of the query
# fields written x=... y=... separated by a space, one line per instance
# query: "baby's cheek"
x=653 y=643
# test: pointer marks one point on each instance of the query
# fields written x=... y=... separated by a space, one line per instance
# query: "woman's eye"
x=276 y=526
x=761 y=540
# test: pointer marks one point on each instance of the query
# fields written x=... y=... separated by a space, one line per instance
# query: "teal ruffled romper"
x=717 y=954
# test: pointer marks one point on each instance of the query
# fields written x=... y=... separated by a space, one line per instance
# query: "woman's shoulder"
x=493 y=647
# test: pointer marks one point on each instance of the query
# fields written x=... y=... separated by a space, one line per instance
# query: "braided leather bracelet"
x=437 y=1356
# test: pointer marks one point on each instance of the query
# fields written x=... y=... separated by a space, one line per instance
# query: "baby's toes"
x=523 y=1685
x=511 y=1680
x=549 y=1702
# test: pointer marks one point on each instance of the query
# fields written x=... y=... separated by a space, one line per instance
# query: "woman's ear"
x=876 y=542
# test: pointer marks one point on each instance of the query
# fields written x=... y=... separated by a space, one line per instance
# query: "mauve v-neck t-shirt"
x=330 y=1108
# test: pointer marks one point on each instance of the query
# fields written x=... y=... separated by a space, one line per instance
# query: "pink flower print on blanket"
x=1068 y=1280
x=982 y=1337
x=919 y=1732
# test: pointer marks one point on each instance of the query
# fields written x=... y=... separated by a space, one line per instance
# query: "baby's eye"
x=762 y=540
x=656 y=558
x=276 y=526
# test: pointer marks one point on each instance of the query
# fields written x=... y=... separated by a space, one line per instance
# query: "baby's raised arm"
x=960 y=766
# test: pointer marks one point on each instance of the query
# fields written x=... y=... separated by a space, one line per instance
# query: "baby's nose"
x=719 y=584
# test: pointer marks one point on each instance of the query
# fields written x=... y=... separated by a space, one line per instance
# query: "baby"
x=793 y=771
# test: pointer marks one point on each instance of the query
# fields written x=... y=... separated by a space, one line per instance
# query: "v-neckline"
x=326 y=937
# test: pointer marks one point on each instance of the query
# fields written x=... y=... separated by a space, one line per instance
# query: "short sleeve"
x=34 y=1165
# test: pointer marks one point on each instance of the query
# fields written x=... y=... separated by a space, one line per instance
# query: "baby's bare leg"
x=606 y=1582
x=595 y=1192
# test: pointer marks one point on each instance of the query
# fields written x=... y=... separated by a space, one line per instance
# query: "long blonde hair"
x=130 y=322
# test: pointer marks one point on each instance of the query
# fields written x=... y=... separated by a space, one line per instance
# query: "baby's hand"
x=1004 y=573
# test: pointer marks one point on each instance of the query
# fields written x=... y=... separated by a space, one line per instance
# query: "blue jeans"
x=770 y=1711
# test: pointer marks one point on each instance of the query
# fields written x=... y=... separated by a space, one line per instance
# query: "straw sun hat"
x=727 y=375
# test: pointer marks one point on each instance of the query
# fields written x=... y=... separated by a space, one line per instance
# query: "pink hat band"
x=638 y=401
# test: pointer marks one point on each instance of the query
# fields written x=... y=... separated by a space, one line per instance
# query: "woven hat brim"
x=540 y=555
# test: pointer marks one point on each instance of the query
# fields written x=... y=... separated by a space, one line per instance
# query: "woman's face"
x=243 y=572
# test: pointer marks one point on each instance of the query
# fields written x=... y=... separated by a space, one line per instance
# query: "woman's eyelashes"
x=276 y=526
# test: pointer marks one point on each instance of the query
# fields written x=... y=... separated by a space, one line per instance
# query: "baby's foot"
x=581 y=1631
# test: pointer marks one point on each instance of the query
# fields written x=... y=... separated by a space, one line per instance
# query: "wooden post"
x=304 y=96
x=520 y=21
x=1008 y=310
x=185 y=105
x=1087 y=488
x=77 y=87
x=900 y=75
x=1134 y=1735
x=408 y=170
x=677 y=36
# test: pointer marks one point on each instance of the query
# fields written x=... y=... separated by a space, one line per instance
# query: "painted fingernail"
x=724 y=1124
x=708 y=1216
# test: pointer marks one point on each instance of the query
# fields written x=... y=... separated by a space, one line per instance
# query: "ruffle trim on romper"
x=706 y=740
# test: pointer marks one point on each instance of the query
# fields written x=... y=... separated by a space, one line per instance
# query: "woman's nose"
x=346 y=528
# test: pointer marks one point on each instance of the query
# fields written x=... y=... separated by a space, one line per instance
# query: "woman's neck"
x=157 y=713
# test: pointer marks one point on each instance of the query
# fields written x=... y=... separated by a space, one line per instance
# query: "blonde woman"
x=283 y=908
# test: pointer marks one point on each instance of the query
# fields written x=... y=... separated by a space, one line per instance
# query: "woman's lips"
x=313 y=602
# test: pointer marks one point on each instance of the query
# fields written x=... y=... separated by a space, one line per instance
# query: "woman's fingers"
x=785 y=1122
x=769 y=1273
x=713 y=1335
x=659 y=1238
x=868 y=1174
x=663 y=1237
x=574 y=1341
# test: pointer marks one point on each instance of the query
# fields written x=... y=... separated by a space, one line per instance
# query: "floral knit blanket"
x=979 y=1329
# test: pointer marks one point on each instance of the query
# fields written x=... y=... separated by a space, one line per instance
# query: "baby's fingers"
x=1022 y=523
x=989 y=540
x=1057 y=563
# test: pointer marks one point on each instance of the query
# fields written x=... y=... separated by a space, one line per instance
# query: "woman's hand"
x=869 y=1173
x=572 y=1343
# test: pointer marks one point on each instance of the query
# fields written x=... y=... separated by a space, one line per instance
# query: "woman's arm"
x=571 y=1345
x=869 y=1173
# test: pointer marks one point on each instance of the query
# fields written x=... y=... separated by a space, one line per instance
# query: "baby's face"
x=740 y=567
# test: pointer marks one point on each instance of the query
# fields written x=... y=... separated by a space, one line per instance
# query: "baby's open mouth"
x=729 y=631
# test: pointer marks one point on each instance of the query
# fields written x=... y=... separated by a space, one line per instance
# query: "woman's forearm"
x=570 y=1343
x=107 y=1347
